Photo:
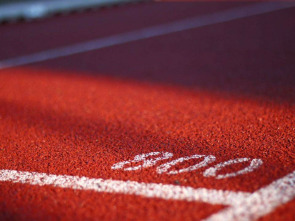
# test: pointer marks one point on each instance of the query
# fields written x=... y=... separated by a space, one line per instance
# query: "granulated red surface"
x=225 y=90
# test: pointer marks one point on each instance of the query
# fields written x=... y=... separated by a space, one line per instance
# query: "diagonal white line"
x=154 y=31
x=261 y=202
x=150 y=190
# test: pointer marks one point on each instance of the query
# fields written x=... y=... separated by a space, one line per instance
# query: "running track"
x=124 y=114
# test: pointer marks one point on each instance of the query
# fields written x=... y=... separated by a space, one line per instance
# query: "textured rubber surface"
x=225 y=90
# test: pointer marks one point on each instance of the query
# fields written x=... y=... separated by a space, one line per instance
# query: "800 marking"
x=147 y=161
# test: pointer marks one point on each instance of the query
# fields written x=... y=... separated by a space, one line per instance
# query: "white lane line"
x=154 y=31
x=261 y=202
x=150 y=190
x=243 y=206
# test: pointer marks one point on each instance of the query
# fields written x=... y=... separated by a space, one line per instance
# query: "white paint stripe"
x=151 y=190
x=261 y=202
x=154 y=31
x=243 y=206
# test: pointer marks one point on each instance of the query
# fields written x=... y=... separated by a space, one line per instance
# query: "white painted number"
x=146 y=162
x=255 y=163
x=166 y=167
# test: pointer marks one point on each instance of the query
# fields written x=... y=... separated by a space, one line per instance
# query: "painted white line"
x=261 y=202
x=154 y=31
x=150 y=190
x=243 y=206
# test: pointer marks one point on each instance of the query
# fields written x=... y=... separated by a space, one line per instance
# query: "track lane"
x=243 y=57
x=56 y=117
x=66 y=30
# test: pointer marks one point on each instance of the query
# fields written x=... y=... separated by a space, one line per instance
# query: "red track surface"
x=225 y=90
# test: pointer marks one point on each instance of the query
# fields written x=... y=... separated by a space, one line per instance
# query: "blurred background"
x=13 y=10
